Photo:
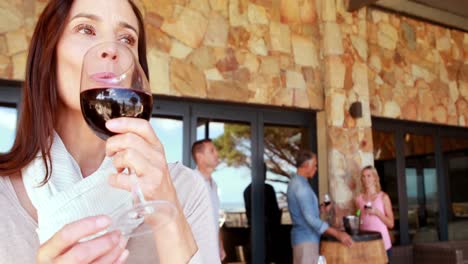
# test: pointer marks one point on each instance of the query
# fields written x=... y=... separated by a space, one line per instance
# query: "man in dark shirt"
x=272 y=217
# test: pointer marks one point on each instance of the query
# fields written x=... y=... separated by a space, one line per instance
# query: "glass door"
x=455 y=150
x=421 y=188
x=385 y=163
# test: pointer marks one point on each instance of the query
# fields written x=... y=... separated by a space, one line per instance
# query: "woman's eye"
x=127 y=39
x=86 y=29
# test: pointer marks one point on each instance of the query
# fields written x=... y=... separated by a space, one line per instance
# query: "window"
x=430 y=164
x=7 y=127
x=170 y=133
x=385 y=163
x=456 y=161
x=281 y=144
x=421 y=188
x=233 y=174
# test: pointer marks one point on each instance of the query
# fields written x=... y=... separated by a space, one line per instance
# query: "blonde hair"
x=374 y=172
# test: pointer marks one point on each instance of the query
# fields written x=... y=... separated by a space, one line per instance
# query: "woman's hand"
x=372 y=211
x=64 y=246
x=137 y=147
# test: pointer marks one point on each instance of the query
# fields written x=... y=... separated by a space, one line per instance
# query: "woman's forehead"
x=114 y=11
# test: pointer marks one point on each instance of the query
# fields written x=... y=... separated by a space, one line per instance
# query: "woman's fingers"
x=70 y=235
x=91 y=250
x=121 y=142
x=132 y=159
x=136 y=126
x=116 y=255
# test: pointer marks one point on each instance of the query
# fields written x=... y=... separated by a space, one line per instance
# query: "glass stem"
x=136 y=189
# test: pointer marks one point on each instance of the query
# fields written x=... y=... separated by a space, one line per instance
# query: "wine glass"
x=326 y=199
x=113 y=85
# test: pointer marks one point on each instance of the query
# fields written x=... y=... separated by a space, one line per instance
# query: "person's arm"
x=222 y=252
x=305 y=199
x=387 y=216
x=136 y=146
x=341 y=236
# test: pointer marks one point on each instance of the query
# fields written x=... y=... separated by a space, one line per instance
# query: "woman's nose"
x=110 y=53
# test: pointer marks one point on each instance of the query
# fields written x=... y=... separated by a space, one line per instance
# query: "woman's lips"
x=103 y=76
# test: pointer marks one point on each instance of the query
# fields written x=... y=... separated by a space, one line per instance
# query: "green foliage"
x=281 y=147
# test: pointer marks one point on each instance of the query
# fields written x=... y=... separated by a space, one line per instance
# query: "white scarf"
x=67 y=196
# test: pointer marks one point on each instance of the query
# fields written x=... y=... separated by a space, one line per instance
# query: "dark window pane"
x=421 y=188
x=385 y=163
x=456 y=161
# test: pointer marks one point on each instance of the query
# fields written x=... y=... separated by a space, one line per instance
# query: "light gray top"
x=19 y=241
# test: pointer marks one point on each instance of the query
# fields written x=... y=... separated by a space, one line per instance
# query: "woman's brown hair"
x=40 y=98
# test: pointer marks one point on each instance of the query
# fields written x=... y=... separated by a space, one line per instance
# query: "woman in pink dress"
x=375 y=205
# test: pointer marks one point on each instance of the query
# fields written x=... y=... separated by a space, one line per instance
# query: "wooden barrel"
x=368 y=247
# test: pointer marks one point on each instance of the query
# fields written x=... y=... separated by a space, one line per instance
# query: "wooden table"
x=368 y=247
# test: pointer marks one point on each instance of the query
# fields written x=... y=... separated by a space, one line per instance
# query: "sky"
x=7 y=127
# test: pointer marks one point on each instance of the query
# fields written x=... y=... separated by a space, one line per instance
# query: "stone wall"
x=276 y=52
x=263 y=52
x=417 y=71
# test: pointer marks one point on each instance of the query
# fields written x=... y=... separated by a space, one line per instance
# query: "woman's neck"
x=83 y=145
x=371 y=191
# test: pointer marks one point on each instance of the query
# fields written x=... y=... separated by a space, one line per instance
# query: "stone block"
x=290 y=11
x=229 y=91
x=280 y=37
x=16 y=41
x=391 y=109
x=189 y=28
x=187 y=80
x=159 y=71
x=257 y=14
x=220 y=6
x=269 y=66
x=213 y=75
x=335 y=109
x=387 y=36
x=308 y=12
x=238 y=13
x=11 y=18
x=335 y=72
x=19 y=65
x=360 y=45
x=328 y=11
x=217 y=31
x=179 y=50
x=332 y=41
x=295 y=80
x=305 y=51
x=257 y=46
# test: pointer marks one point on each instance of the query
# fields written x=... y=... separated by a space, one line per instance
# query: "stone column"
x=349 y=140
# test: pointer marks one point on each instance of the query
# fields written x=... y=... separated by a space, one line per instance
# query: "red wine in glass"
x=102 y=104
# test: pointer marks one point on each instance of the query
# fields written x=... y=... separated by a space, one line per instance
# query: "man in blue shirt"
x=305 y=214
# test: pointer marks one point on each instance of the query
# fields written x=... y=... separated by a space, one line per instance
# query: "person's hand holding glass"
x=116 y=103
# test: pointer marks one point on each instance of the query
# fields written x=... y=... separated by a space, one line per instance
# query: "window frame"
x=437 y=131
